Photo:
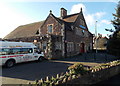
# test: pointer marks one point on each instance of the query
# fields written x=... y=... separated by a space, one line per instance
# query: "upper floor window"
x=50 y=28
x=82 y=22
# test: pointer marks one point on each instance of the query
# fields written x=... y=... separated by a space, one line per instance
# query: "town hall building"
x=58 y=37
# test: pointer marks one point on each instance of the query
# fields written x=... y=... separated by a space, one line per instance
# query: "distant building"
x=62 y=36
x=101 y=42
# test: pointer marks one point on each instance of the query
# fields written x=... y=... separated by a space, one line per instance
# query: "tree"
x=116 y=21
x=113 y=45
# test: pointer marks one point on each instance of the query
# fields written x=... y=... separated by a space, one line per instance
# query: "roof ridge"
x=31 y=23
x=70 y=15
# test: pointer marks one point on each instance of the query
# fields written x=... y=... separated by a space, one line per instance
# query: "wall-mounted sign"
x=82 y=27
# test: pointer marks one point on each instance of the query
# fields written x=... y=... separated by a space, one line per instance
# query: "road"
x=30 y=71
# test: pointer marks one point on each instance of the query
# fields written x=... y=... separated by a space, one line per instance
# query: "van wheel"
x=41 y=59
x=10 y=63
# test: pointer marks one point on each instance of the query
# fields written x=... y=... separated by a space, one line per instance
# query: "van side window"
x=26 y=50
x=9 y=51
x=5 y=51
x=16 y=51
x=30 y=50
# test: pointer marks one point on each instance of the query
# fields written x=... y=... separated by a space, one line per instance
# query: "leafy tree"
x=113 y=45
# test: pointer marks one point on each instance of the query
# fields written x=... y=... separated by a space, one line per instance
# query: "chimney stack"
x=63 y=12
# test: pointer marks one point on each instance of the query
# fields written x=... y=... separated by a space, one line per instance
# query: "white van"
x=17 y=52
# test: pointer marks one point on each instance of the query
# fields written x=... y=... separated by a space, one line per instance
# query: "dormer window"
x=72 y=27
x=50 y=28
x=82 y=22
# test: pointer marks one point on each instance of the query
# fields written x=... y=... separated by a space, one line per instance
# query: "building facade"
x=58 y=37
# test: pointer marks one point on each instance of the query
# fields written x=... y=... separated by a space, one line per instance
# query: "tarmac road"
x=30 y=71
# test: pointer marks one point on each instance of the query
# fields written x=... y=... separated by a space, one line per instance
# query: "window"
x=58 y=45
x=16 y=50
x=26 y=50
x=82 y=22
x=70 y=46
x=77 y=47
x=10 y=51
x=50 y=27
x=4 y=51
x=44 y=45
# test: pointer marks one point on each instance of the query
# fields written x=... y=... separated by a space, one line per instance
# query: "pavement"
x=8 y=80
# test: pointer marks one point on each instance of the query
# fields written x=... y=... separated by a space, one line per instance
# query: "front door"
x=82 y=48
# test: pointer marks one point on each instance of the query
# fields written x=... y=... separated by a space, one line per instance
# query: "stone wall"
x=95 y=77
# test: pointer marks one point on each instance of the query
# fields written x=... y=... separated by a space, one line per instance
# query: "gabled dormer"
x=52 y=25
x=80 y=21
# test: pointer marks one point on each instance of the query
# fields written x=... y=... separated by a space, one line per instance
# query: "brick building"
x=58 y=37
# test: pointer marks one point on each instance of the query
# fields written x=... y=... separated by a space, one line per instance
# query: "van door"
x=27 y=54
x=35 y=53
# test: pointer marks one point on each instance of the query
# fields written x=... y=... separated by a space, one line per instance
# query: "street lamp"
x=96 y=34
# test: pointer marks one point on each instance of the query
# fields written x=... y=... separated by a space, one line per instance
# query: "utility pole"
x=96 y=34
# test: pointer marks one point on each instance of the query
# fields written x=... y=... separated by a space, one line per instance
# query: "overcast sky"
x=14 y=13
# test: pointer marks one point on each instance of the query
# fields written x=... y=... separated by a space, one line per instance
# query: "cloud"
x=105 y=21
x=77 y=8
x=90 y=18
x=98 y=15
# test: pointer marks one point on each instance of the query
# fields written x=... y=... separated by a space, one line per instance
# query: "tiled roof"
x=31 y=29
x=71 y=18
x=25 y=31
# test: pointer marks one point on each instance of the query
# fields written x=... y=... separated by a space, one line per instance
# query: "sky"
x=16 y=13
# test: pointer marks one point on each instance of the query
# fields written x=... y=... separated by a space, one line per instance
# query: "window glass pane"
x=30 y=50
x=26 y=50
x=50 y=28
x=4 y=51
x=7 y=51
x=16 y=51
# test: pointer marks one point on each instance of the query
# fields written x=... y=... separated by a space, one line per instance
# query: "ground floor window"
x=57 y=45
x=70 y=46
x=44 y=45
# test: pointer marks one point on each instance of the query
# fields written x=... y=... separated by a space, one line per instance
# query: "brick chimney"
x=63 y=12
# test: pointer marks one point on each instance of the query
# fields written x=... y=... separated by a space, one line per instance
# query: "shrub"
x=78 y=68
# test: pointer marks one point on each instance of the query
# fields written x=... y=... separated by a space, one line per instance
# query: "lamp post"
x=96 y=34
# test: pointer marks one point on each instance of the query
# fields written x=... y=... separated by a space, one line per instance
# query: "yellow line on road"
x=72 y=62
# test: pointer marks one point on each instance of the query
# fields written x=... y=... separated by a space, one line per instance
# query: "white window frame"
x=48 y=30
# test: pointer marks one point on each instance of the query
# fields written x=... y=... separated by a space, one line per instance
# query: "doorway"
x=82 y=48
